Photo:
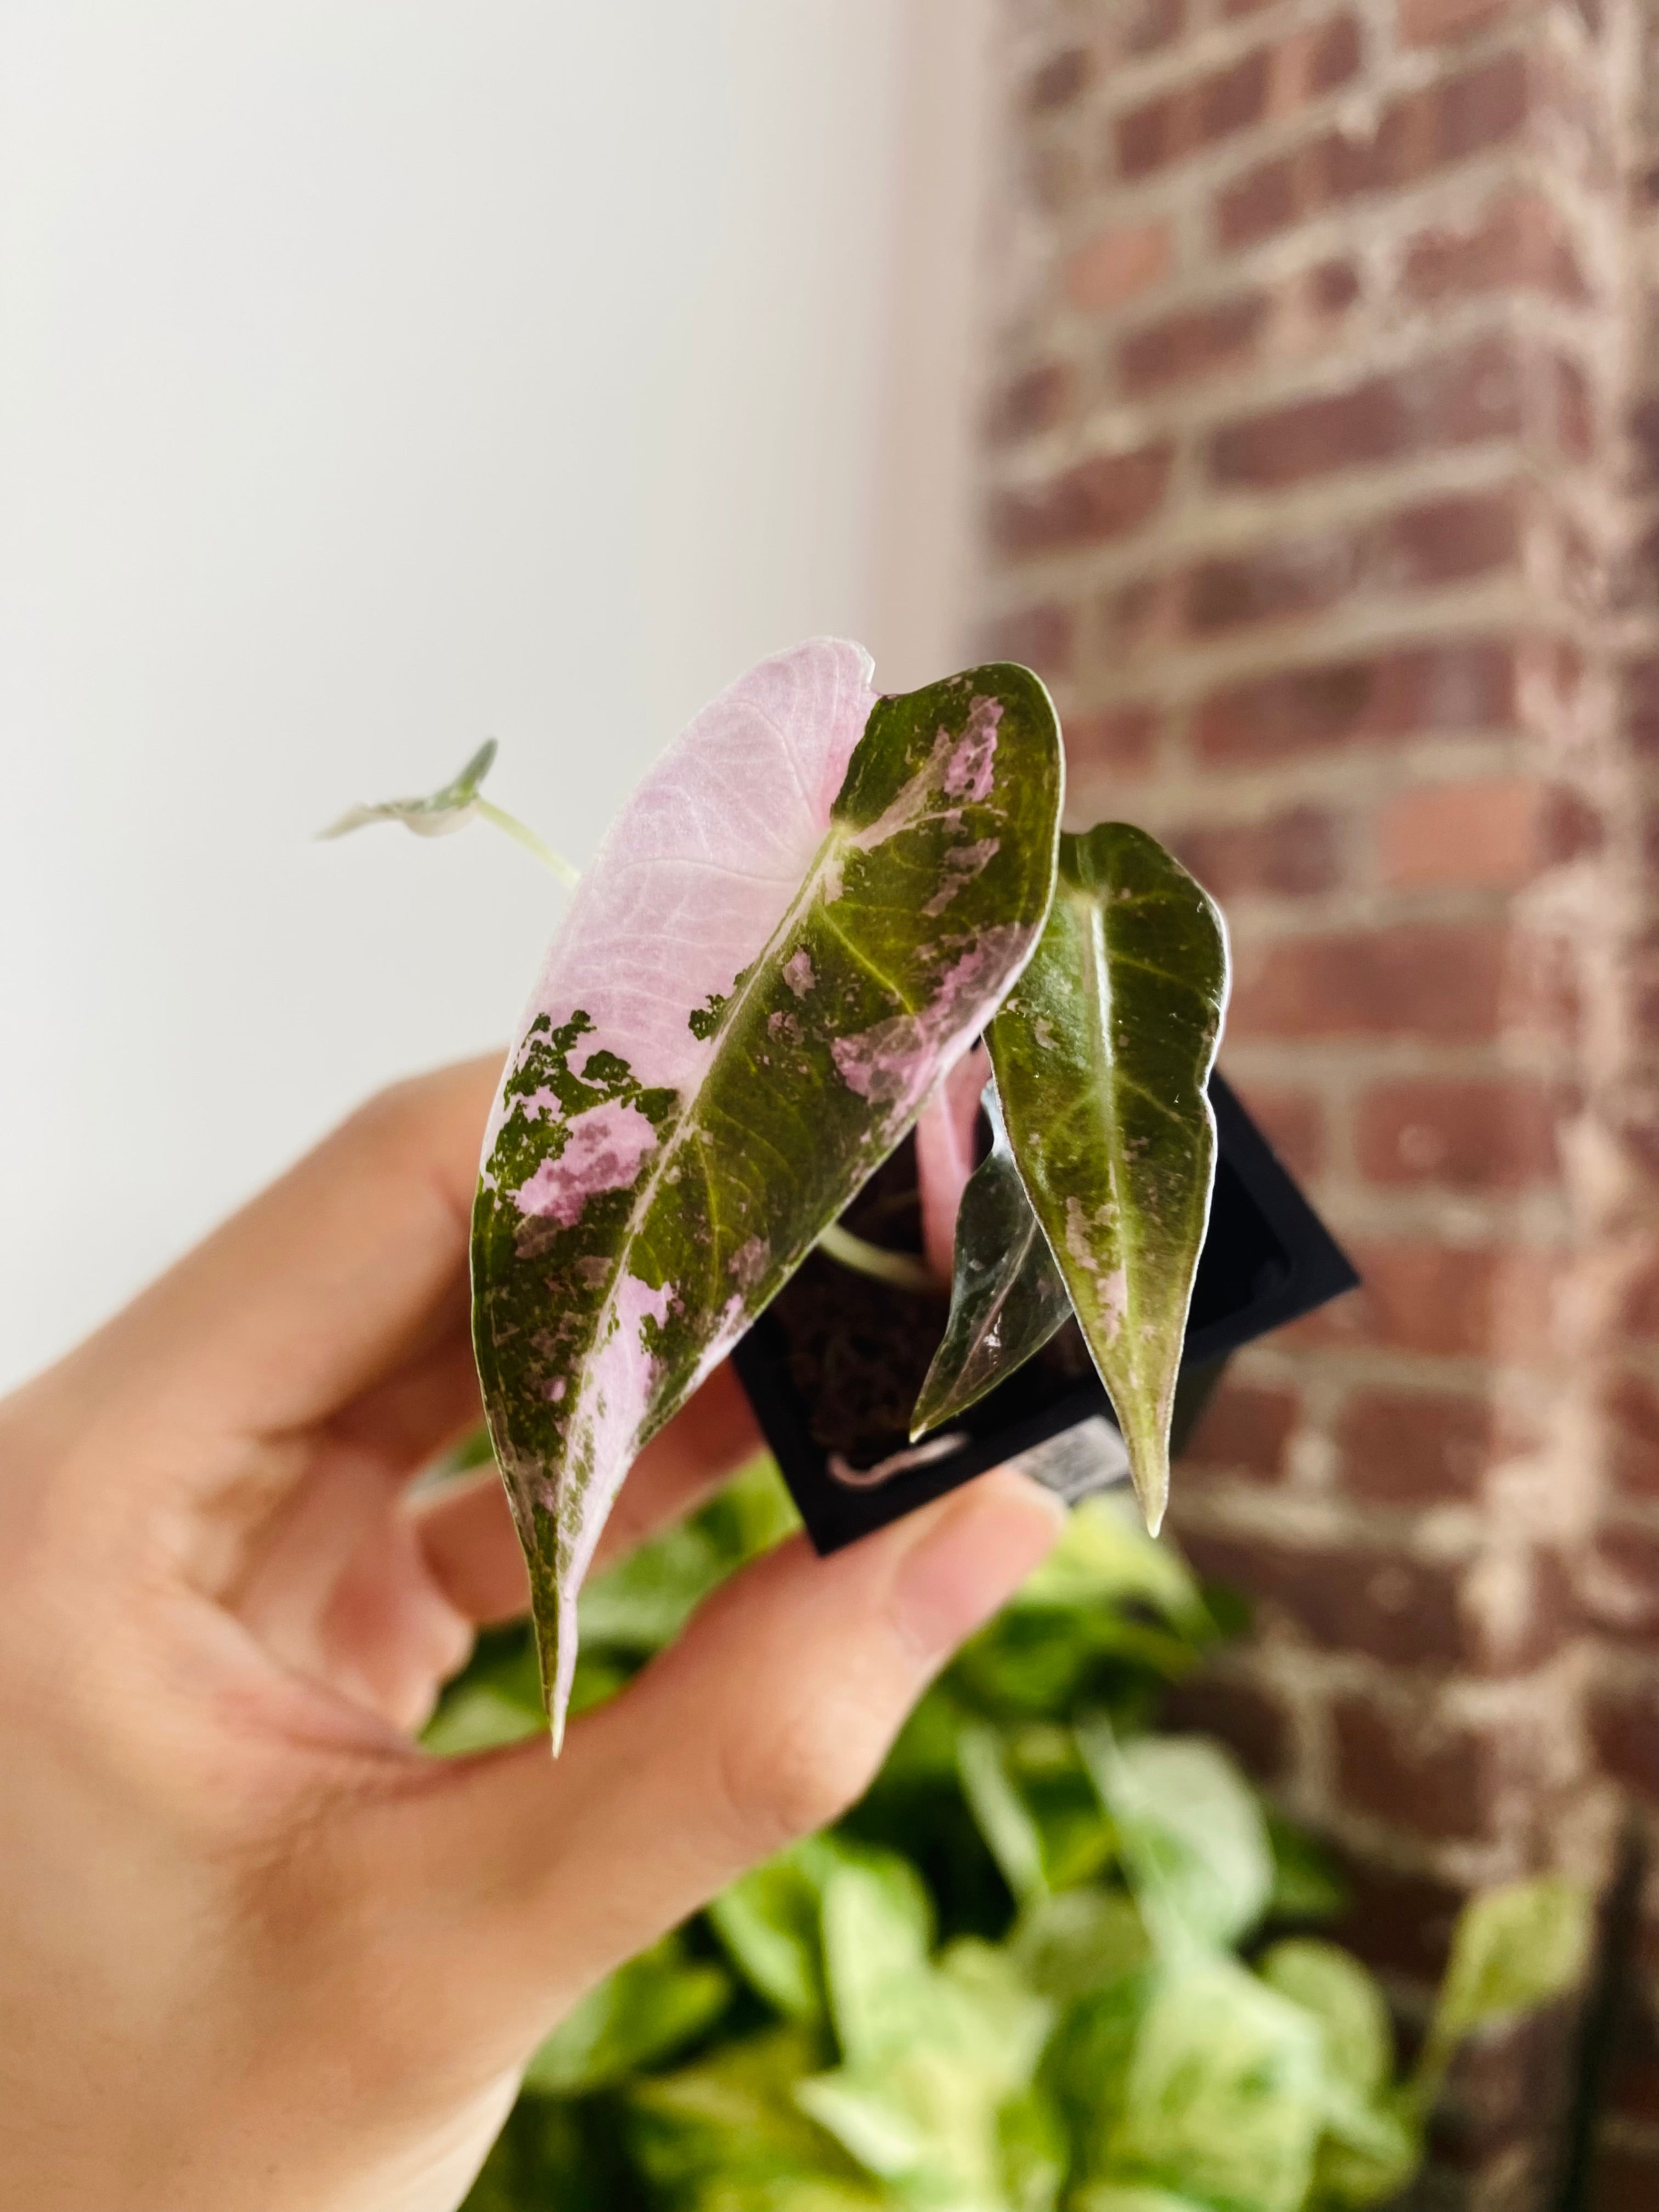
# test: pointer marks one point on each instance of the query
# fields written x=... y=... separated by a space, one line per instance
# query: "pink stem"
x=945 y=1155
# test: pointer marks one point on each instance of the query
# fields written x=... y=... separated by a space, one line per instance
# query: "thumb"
x=768 y=1719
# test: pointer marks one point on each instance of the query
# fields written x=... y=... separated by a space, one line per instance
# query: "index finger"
x=346 y=1268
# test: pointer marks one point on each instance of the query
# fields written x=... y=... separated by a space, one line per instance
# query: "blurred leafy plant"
x=1052 y=1963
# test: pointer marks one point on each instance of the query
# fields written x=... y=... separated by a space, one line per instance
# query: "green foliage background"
x=1052 y=1962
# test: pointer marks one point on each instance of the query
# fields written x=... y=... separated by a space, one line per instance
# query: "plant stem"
x=902 y=1269
x=521 y=835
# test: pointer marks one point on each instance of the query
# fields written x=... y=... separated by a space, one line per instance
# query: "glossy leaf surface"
x=1007 y=1295
x=1102 y=1056
x=802 y=918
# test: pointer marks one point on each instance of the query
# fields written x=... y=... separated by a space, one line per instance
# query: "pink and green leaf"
x=803 y=918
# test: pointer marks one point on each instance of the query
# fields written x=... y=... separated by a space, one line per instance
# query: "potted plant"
x=781 y=963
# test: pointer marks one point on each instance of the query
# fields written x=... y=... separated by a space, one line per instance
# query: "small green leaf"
x=1351 y=2009
x=450 y=807
x=1007 y=1297
x=944 y=2110
x=727 y=2135
x=1369 y=2152
x=439 y=814
x=1225 y=2097
x=1086 y=2065
x=1078 y=1940
x=1194 y=1840
x=1000 y=1814
x=878 y=1923
x=1514 y=1948
x=768 y=1924
x=639 y=2015
x=1103 y=1052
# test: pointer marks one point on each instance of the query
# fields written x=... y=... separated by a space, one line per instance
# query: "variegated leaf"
x=801 y=920
x=1102 y=1056
x=1008 y=1297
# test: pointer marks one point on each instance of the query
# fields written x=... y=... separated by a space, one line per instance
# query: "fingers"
x=768 y=1719
x=345 y=1270
x=471 y=1547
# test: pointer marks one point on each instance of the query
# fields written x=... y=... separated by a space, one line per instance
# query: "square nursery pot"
x=833 y=1366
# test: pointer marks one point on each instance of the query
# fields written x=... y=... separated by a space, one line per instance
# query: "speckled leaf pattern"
x=1101 y=1055
x=1007 y=1297
x=802 y=918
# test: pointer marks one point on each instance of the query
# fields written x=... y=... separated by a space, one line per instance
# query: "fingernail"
x=973 y=1560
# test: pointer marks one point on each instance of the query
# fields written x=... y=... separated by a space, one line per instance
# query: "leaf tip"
x=1151 y=1476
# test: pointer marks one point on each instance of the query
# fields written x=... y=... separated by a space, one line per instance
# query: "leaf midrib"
x=832 y=850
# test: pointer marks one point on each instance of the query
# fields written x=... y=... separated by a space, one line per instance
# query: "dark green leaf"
x=1007 y=1297
x=797 y=924
x=1101 y=1054
x=1086 y=2065
x=1307 y=1884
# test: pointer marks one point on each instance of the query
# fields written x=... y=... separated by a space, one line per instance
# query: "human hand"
x=259 y=1953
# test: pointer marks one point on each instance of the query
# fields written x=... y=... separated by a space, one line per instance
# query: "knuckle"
x=795 y=1774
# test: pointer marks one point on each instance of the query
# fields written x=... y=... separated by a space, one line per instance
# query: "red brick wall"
x=1320 y=471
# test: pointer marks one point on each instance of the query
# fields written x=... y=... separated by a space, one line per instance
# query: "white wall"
x=375 y=378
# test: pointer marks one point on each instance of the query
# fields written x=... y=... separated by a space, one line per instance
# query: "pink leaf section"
x=703 y=863
x=946 y=1132
x=604 y=1153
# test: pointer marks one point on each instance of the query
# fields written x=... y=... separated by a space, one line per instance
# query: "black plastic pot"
x=833 y=1366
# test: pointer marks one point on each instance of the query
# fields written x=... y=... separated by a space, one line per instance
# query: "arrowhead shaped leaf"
x=1102 y=1056
x=798 y=924
x=1007 y=1298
